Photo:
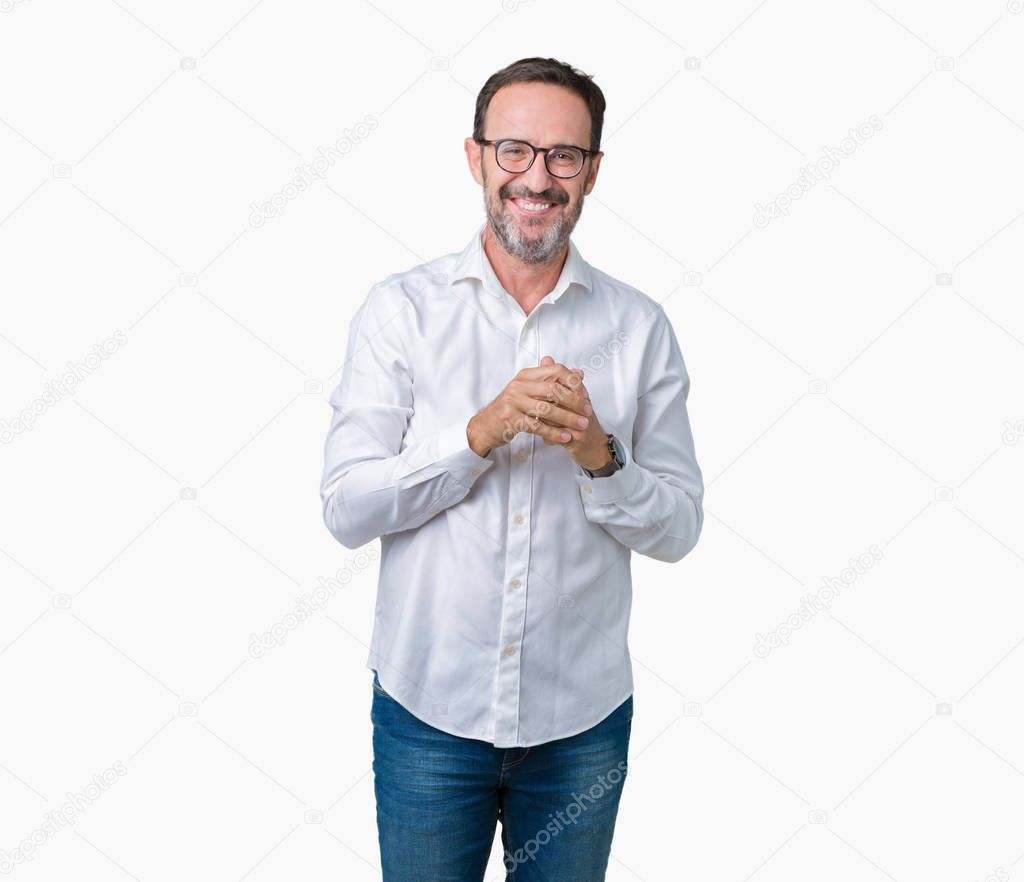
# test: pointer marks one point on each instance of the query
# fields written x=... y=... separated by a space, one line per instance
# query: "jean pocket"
x=377 y=687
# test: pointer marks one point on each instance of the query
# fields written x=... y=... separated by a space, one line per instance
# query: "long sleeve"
x=654 y=504
x=371 y=484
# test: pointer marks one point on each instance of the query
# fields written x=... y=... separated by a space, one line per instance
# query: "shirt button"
x=529 y=324
x=587 y=488
x=476 y=472
x=515 y=583
x=519 y=519
x=521 y=456
x=510 y=650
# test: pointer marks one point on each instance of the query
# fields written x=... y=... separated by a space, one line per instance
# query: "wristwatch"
x=617 y=462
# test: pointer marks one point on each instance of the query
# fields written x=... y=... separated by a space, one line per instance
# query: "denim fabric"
x=440 y=796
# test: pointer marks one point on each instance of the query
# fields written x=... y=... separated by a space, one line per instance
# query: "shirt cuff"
x=617 y=486
x=457 y=458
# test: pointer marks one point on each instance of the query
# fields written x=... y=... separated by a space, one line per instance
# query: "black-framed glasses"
x=562 y=160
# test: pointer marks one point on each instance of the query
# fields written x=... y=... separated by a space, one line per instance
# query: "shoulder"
x=395 y=305
x=416 y=284
x=632 y=307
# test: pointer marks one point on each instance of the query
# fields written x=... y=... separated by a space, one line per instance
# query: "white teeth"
x=533 y=206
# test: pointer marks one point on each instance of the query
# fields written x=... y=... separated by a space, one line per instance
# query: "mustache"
x=546 y=196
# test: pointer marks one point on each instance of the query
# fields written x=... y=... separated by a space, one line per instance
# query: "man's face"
x=543 y=115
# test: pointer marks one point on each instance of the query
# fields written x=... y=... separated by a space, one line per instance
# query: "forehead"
x=540 y=113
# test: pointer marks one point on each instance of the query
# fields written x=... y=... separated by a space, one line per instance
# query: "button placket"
x=517 y=560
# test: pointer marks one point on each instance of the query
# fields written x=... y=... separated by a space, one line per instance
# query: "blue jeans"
x=439 y=797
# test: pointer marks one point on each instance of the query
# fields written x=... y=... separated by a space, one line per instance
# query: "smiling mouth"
x=533 y=207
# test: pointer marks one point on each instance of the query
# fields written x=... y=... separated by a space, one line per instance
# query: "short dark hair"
x=544 y=70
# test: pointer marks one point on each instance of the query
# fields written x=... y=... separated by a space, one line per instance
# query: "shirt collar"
x=473 y=262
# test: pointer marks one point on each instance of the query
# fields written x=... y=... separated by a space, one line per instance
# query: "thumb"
x=546 y=360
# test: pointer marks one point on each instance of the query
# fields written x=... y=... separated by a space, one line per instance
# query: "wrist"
x=476 y=444
x=613 y=460
x=598 y=459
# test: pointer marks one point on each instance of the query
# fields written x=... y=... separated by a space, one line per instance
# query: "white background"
x=855 y=369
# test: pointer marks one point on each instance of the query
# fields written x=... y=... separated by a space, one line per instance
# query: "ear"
x=474 y=156
x=595 y=164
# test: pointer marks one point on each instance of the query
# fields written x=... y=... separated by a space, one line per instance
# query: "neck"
x=527 y=283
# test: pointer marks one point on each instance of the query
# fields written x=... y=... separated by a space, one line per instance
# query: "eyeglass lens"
x=516 y=156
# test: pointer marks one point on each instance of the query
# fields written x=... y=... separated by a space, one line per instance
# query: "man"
x=511 y=422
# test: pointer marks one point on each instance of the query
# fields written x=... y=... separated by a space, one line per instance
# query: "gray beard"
x=533 y=251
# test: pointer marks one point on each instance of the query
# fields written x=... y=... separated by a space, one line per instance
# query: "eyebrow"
x=528 y=141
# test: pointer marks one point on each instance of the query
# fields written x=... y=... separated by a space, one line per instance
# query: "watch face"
x=620 y=456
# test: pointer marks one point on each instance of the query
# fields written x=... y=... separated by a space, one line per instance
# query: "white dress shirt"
x=504 y=593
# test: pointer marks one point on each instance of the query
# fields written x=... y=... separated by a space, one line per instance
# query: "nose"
x=536 y=178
